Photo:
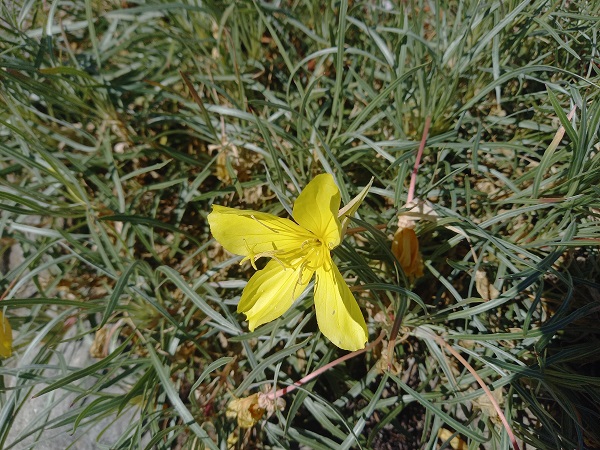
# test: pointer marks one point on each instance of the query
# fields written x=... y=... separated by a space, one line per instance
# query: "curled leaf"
x=99 y=347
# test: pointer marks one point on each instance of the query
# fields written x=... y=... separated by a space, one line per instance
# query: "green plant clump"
x=121 y=124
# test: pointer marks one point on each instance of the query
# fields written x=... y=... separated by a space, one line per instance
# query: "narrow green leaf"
x=164 y=375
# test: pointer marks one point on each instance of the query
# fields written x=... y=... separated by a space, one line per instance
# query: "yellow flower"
x=5 y=337
x=405 y=247
x=298 y=250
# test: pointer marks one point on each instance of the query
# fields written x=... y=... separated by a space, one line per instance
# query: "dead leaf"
x=249 y=410
x=484 y=403
x=99 y=349
x=484 y=287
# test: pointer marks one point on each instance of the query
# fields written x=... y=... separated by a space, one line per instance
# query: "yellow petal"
x=348 y=210
x=338 y=314
x=271 y=291
x=456 y=442
x=5 y=337
x=248 y=233
x=316 y=209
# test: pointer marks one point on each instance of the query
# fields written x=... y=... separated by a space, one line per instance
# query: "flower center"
x=311 y=255
x=314 y=253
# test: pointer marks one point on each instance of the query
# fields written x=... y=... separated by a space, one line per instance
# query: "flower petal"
x=316 y=209
x=271 y=291
x=348 y=210
x=338 y=314
x=5 y=337
x=248 y=233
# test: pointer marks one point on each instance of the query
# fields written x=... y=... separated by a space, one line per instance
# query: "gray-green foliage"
x=110 y=162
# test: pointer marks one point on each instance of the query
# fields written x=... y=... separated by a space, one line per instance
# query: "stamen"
x=300 y=273
x=251 y=256
x=309 y=242
x=279 y=261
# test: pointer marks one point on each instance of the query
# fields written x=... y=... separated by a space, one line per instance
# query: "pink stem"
x=481 y=383
x=272 y=396
x=413 y=178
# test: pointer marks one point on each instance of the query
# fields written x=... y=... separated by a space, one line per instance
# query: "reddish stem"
x=481 y=383
x=10 y=286
x=413 y=178
x=274 y=395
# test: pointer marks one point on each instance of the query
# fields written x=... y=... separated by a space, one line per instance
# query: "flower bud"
x=405 y=248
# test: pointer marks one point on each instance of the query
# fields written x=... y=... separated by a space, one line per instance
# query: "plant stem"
x=274 y=395
x=413 y=178
x=481 y=383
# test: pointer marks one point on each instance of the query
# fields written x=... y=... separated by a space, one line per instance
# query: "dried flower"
x=249 y=410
